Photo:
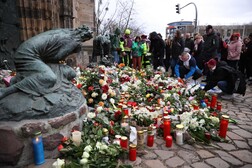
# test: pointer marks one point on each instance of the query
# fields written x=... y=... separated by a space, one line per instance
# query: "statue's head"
x=84 y=33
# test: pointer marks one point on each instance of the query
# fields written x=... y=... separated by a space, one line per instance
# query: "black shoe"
x=205 y=80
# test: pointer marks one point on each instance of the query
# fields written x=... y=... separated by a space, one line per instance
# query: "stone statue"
x=41 y=83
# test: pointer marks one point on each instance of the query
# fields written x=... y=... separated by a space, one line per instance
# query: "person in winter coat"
x=220 y=77
x=234 y=50
x=157 y=49
x=211 y=44
x=249 y=59
x=186 y=67
x=127 y=48
x=178 y=46
x=189 y=43
x=137 y=51
x=115 y=45
x=197 y=51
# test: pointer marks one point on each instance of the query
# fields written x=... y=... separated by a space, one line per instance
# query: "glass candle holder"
x=213 y=101
x=124 y=142
x=223 y=126
x=125 y=110
x=38 y=149
x=76 y=137
x=167 y=126
x=168 y=141
x=150 y=139
x=132 y=152
x=179 y=134
x=140 y=140
x=117 y=139
x=219 y=106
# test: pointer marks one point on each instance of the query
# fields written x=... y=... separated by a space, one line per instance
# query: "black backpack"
x=238 y=79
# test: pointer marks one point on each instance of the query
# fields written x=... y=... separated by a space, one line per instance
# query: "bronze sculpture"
x=38 y=72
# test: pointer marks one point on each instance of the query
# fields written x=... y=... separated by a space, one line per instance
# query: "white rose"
x=112 y=101
x=99 y=109
x=103 y=147
x=94 y=94
x=91 y=115
x=88 y=148
x=58 y=163
x=104 y=96
x=83 y=161
x=85 y=155
x=98 y=145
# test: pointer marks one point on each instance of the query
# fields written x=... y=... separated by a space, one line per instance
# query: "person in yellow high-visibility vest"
x=145 y=60
x=127 y=48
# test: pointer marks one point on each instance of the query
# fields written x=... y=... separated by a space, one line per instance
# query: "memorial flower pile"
x=142 y=96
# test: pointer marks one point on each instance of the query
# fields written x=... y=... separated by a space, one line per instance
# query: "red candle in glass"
x=213 y=101
x=168 y=141
x=167 y=126
x=124 y=142
x=165 y=113
x=223 y=126
x=208 y=135
x=219 y=106
x=132 y=152
x=150 y=139
x=125 y=110
x=195 y=107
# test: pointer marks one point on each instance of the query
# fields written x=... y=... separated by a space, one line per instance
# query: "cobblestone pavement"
x=236 y=153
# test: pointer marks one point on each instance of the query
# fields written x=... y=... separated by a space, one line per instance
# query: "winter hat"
x=212 y=62
x=209 y=27
x=127 y=31
x=143 y=36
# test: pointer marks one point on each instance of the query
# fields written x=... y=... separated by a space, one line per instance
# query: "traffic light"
x=177 y=9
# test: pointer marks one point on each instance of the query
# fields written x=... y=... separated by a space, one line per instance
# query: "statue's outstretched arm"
x=67 y=49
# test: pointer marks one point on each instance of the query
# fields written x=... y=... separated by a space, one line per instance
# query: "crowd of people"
x=188 y=57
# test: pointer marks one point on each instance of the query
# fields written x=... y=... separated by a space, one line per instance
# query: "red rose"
x=64 y=139
x=169 y=88
x=101 y=71
x=109 y=81
x=214 y=114
x=90 y=88
x=105 y=88
x=60 y=147
x=79 y=85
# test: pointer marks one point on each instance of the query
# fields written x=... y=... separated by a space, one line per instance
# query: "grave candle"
x=124 y=142
x=168 y=141
x=213 y=101
x=223 y=126
x=132 y=152
x=76 y=137
x=219 y=106
x=167 y=126
x=38 y=149
x=150 y=139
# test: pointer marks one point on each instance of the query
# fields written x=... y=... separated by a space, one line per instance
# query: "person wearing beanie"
x=220 y=76
x=186 y=67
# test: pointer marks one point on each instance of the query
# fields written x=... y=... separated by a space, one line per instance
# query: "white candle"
x=76 y=137
x=179 y=138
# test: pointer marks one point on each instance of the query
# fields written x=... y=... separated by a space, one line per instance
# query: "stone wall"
x=16 y=137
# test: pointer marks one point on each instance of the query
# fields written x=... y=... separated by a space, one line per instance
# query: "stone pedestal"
x=16 y=137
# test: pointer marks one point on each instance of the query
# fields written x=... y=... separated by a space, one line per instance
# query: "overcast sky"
x=156 y=14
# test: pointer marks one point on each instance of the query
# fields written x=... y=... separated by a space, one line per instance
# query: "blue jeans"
x=223 y=85
x=116 y=56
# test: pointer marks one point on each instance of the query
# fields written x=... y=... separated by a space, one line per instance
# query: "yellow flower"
x=148 y=95
x=101 y=82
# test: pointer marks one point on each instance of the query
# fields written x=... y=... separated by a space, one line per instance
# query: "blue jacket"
x=192 y=67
